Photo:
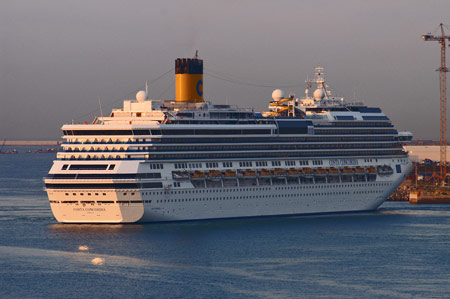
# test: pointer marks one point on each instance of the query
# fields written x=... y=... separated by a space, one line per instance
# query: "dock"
x=430 y=196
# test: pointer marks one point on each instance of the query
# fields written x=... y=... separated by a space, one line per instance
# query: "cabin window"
x=195 y=165
x=227 y=164
x=88 y=167
x=156 y=166
x=245 y=164
x=276 y=163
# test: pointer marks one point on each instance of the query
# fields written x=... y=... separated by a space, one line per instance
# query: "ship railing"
x=65 y=180
x=107 y=142
x=101 y=159
x=161 y=157
x=300 y=180
x=136 y=179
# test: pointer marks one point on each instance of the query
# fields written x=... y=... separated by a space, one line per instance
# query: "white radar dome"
x=141 y=96
x=277 y=94
x=319 y=94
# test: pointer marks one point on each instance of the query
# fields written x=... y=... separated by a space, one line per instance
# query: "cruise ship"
x=191 y=159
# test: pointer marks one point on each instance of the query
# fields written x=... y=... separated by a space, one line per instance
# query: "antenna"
x=100 y=105
x=146 y=87
x=196 y=54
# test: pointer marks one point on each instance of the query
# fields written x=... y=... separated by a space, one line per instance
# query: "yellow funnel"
x=189 y=80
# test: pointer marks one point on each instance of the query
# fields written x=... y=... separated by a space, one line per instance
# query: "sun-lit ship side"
x=188 y=159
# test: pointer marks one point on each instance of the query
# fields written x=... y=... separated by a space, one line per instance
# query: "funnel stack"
x=189 y=80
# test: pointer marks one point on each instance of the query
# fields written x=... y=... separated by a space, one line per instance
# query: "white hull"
x=231 y=202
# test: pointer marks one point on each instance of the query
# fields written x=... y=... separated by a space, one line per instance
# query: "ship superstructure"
x=188 y=159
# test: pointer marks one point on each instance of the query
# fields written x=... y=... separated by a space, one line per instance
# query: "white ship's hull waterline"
x=184 y=204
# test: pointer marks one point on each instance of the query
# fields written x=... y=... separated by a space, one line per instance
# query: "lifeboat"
x=359 y=170
x=229 y=173
x=197 y=175
x=385 y=170
x=371 y=169
x=307 y=171
x=347 y=170
x=264 y=173
x=320 y=171
x=214 y=175
x=333 y=171
x=293 y=172
x=180 y=174
x=249 y=173
x=279 y=172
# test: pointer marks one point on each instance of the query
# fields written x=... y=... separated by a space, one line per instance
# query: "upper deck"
x=321 y=109
x=318 y=125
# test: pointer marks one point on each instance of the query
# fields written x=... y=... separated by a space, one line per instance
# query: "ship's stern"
x=95 y=206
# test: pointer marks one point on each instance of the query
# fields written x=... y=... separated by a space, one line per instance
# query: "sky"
x=58 y=57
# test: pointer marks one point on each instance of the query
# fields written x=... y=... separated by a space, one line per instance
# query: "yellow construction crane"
x=443 y=96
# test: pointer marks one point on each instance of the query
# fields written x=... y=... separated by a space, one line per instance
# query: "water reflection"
x=42 y=257
x=415 y=212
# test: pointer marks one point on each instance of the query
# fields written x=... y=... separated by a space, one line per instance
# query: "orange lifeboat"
x=214 y=174
x=279 y=172
x=229 y=173
x=359 y=170
x=293 y=172
x=249 y=173
x=264 y=172
x=307 y=171
x=347 y=170
x=333 y=171
x=198 y=175
x=320 y=171
x=371 y=169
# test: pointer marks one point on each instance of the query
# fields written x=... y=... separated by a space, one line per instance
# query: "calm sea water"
x=402 y=250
